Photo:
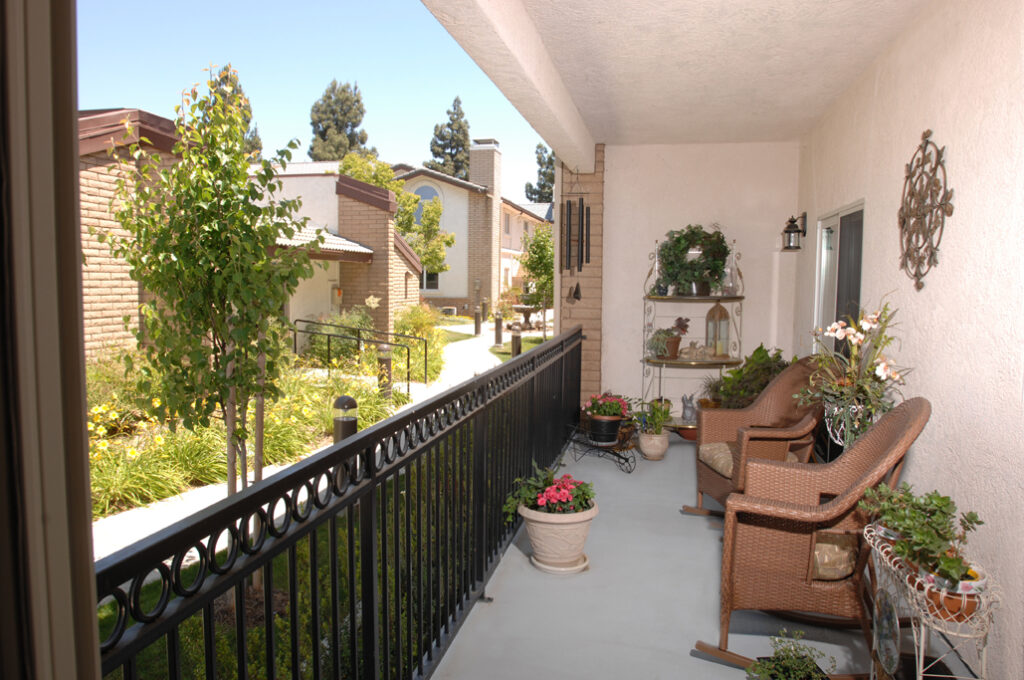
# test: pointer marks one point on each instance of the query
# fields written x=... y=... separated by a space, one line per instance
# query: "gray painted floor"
x=651 y=591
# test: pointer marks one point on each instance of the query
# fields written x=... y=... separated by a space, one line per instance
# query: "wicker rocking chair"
x=774 y=427
x=793 y=518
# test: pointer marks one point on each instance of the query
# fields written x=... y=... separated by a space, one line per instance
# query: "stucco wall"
x=749 y=189
x=312 y=297
x=958 y=72
x=455 y=219
x=319 y=202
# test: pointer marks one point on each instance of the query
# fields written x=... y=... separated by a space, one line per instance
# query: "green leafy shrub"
x=790 y=660
x=315 y=349
x=741 y=385
x=420 y=321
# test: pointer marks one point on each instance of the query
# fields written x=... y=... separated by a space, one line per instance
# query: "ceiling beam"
x=500 y=37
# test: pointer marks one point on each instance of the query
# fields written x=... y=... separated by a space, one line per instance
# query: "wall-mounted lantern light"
x=792 y=233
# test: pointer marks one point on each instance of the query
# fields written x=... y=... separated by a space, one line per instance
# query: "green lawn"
x=505 y=351
x=452 y=336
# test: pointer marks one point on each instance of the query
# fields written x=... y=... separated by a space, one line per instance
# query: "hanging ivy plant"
x=678 y=268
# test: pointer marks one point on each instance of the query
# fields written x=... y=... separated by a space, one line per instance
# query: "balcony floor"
x=651 y=591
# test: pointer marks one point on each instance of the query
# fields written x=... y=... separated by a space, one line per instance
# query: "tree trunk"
x=257 y=462
x=229 y=424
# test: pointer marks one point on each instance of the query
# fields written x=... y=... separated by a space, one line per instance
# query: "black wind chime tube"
x=568 y=234
x=588 y=234
x=579 y=241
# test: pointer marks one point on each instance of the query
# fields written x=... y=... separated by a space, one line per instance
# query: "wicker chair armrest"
x=801 y=428
x=768 y=507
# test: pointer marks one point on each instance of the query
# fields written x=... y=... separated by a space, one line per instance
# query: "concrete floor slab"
x=650 y=593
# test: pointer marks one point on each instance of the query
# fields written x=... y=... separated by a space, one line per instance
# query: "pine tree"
x=450 y=145
x=542 y=193
x=335 y=119
x=226 y=85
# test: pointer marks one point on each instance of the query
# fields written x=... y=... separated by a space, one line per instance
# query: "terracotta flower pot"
x=653 y=446
x=558 y=538
x=956 y=607
x=672 y=347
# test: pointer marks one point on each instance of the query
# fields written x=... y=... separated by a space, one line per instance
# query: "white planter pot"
x=653 y=446
x=558 y=539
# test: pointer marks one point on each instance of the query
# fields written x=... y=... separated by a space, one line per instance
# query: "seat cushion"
x=719 y=456
x=835 y=556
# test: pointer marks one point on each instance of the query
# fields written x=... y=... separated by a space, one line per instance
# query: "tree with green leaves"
x=227 y=85
x=450 y=144
x=538 y=261
x=335 y=119
x=201 y=237
x=424 y=236
x=544 y=191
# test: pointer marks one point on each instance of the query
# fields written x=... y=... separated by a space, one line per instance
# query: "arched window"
x=426 y=193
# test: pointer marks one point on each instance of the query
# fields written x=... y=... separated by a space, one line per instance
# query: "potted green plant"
x=605 y=413
x=859 y=384
x=657 y=344
x=791 y=660
x=651 y=420
x=693 y=260
x=557 y=514
x=927 y=533
x=741 y=385
x=712 y=391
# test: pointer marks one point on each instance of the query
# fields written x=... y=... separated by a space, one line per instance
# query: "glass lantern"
x=718 y=332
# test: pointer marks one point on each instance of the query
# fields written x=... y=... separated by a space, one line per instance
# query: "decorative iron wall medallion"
x=926 y=205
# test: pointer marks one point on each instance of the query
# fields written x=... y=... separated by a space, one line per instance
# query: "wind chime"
x=576 y=218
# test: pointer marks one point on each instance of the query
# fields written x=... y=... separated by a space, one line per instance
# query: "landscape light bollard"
x=517 y=343
x=476 y=320
x=384 y=370
x=497 y=329
x=483 y=308
x=346 y=417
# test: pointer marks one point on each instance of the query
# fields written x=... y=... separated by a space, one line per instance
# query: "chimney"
x=485 y=220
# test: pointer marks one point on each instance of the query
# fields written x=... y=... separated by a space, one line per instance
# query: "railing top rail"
x=353 y=337
x=418 y=425
x=357 y=328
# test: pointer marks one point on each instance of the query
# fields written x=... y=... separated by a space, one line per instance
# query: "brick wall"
x=587 y=310
x=108 y=292
x=484 y=223
x=373 y=228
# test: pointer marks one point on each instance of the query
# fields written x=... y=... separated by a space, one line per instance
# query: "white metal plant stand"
x=900 y=592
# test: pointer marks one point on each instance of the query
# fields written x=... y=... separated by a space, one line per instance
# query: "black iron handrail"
x=359 y=339
x=378 y=546
x=329 y=336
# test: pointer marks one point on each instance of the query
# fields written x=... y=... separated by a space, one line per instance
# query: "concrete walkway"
x=463 y=360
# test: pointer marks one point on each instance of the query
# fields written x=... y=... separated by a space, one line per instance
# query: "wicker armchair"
x=774 y=427
x=774 y=532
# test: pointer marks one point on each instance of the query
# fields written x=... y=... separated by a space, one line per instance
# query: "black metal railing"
x=360 y=335
x=359 y=562
x=340 y=339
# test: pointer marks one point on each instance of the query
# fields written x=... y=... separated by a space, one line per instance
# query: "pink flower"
x=541 y=500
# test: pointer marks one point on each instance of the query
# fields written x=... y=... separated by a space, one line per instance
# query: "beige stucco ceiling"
x=672 y=71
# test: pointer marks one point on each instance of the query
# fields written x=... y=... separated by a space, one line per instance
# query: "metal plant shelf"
x=694 y=298
x=693 y=363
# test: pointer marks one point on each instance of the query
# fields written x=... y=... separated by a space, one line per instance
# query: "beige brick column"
x=108 y=292
x=366 y=216
x=587 y=310
x=484 y=222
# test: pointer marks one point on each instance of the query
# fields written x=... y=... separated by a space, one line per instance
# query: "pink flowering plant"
x=606 y=405
x=857 y=382
x=543 y=493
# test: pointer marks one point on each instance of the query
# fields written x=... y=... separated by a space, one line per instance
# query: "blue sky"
x=143 y=54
